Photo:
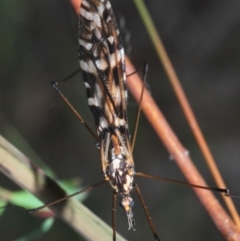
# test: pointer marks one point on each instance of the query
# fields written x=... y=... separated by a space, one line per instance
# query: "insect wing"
x=102 y=62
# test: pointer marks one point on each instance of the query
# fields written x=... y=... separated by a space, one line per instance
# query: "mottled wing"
x=102 y=62
x=103 y=66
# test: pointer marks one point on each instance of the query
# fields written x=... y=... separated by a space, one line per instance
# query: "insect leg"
x=156 y=238
x=114 y=201
x=55 y=86
x=139 y=106
x=225 y=191
x=66 y=197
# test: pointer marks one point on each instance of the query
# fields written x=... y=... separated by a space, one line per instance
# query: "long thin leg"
x=139 y=107
x=216 y=189
x=69 y=77
x=114 y=201
x=66 y=197
x=147 y=213
x=55 y=86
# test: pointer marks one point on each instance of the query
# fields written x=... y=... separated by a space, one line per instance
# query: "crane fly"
x=102 y=61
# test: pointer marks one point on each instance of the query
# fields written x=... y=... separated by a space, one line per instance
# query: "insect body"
x=102 y=62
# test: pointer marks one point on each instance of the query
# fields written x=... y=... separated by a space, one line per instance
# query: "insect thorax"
x=120 y=173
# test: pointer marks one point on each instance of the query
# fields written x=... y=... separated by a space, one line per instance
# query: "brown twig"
x=183 y=101
x=221 y=219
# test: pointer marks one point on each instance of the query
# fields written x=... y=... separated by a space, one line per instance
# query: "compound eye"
x=127 y=203
x=131 y=204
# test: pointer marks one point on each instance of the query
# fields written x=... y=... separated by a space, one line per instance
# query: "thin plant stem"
x=180 y=154
x=30 y=177
x=173 y=78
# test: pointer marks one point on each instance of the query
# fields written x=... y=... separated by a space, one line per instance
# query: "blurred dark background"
x=39 y=45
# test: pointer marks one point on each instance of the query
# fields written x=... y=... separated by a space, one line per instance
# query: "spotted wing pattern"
x=102 y=62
